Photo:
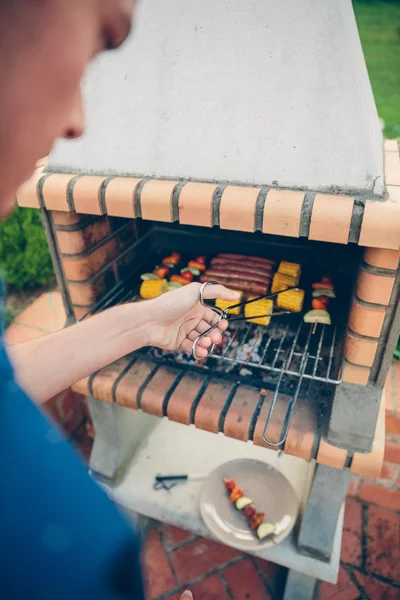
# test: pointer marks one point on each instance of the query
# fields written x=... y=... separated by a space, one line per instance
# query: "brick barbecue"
x=105 y=227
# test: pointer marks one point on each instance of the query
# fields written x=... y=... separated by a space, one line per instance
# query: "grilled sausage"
x=252 y=287
x=237 y=275
x=224 y=263
x=242 y=257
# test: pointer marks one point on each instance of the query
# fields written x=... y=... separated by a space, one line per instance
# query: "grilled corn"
x=291 y=269
x=291 y=300
x=259 y=309
x=152 y=288
x=282 y=282
x=224 y=304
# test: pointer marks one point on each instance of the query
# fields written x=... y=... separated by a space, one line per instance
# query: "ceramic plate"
x=270 y=491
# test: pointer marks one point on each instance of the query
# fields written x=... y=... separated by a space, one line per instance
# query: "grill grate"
x=287 y=345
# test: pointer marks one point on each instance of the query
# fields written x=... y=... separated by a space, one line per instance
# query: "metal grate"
x=287 y=345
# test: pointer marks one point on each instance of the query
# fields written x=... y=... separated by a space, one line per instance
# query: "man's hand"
x=178 y=318
x=187 y=595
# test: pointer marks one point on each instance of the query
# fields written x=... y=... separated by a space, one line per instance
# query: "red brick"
x=392 y=452
x=103 y=382
x=388 y=473
x=392 y=425
x=240 y=413
x=75 y=242
x=180 y=403
x=375 y=588
x=274 y=574
x=127 y=389
x=383 y=543
x=352 y=530
x=353 y=487
x=154 y=393
x=199 y=557
x=377 y=494
x=158 y=575
x=344 y=589
x=209 y=409
x=173 y=536
x=211 y=588
x=244 y=581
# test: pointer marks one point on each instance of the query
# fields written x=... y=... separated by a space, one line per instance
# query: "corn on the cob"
x=282 y=282
x=224 y=304
x=259 y=309
x=152 y=288
x=291 y=300
x=291 y=269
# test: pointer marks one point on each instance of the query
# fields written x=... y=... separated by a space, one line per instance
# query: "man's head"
x=45 y=46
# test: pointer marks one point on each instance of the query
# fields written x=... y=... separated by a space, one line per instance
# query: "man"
x=60 y=537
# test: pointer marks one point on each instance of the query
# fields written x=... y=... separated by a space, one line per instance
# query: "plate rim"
x=258 y=544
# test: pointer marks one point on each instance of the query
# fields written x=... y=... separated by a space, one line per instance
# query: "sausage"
x=241 y=257
x=237 y=275
x=258 y=289
x=222 y=263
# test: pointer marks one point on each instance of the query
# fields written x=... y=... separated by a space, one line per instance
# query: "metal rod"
x=290 y=409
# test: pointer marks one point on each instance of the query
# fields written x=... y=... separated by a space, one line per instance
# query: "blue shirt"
x=61 y=538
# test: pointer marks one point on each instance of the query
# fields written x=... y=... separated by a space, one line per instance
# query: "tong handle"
x=221 y=315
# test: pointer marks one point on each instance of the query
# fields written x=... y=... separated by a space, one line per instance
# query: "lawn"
x=379 y=27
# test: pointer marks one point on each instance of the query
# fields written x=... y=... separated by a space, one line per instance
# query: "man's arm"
x=50 y=364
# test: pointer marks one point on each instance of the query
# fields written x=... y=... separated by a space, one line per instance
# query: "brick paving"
x=174 y=560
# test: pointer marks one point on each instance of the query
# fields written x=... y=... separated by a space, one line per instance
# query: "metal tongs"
x=224 y=314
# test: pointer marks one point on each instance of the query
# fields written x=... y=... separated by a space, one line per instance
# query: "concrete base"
x=174 y=448
x=354 y=416
x=317 y=530
x=299 y=587
x=119 y=432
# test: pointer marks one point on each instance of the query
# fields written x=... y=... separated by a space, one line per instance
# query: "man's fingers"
x=186 y=346
x=187 y=595
x=220 y=291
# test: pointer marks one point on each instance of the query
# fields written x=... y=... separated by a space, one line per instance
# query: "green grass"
x=379 y=27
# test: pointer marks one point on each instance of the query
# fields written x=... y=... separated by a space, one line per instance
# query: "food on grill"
x=291 y=300
x=151 y=288
x=188 y=275
x=162 y=271
x=172 y=260
x=236 y=493
x=237 y=274
x=174 y=285
x=201 y=259
x=234 y=265
x=323 y=285
x=179 y=279
x=258 y=309
x=242 y=502
x=148 y=276
x=197 y=265
x=256 y=520
x=265 y=529
x=324 y=292
x=317 y=316
x=253 y=287
x=320 y=303
x=291 y=269
x=249 y=510
x=195 y=272
x=243 y=257
x=229 y=484
x=224 y=304
x=282 y=282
